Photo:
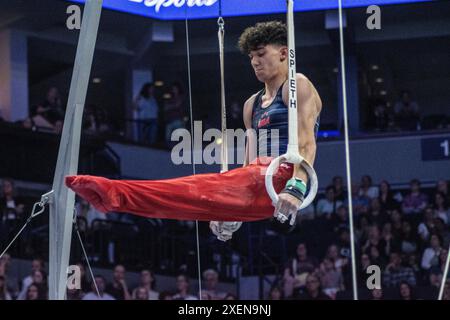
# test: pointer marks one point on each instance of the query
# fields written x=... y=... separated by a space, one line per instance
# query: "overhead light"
x=167 y=96
x=379 y=80
x=96 y=80
x=219 y=141
x=374 y=67
x=383 y=92
x=159 y=83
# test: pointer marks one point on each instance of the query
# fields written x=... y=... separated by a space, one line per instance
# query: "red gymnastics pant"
x=235 y=195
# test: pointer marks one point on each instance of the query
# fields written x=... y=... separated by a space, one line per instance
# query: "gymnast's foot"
x=98 y=191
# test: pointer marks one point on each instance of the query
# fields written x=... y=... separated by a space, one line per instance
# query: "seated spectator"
x=406 y=112
x=4 y=292
x=391 y=243
x=427 y=226
x=416 y=201
x=406 y=291
x=442 y=186
x=89 y=125
x=36 y=265
x=141 y=293
x=118 y=288
x=431 y=254
x=276 y=293
x=434 y=279
x=38 y=120
x=334 y=254
x=367 y=189
x=395 y=273
x=376 y=257
x=331 y=278
x=360 y=202
x=376 y=294
x=338 y=184
x=436 y=272
x=408 y=239
x=386 y=197
x=182 y=284
x=340 y=219
x=102 y=295
x=441 y=207
x=412 y=261
x=446 y=294
x=376 y=214
x=297 y=270
x=74 y=294
x=443 y=231
x=375 y=241
x=95 y=120
x=2 y=267
x=39 y=277
x=344 y=241
x=12 y=283
x=85 y=283
x=397 y=223
x=36 y=291
x=313 y=289
x=147 y=281
x=88 y=212
x=381 y=115
x=364 y=264
x=362 y=230
x=211 y=279
x=328 y=206
x=146 y=109
x=12 y=208
x=52 y=105
x=341 y=259
x=102 y=123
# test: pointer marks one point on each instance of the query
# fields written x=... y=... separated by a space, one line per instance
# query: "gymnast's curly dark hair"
x=262 y=34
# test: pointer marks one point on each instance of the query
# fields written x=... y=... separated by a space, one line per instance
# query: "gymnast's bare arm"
x=309 y=106
x=251 y=139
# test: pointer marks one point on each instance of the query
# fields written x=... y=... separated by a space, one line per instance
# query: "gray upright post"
x=63 y=199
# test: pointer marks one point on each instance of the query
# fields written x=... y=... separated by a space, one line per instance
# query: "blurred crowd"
x=155 y=114
x=406 y=233
x=403 y=115
x=34 y=286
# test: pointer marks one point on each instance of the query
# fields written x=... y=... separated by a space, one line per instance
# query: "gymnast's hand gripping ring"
x=294 y=159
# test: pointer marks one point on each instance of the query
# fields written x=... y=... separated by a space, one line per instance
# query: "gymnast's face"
x=268 y=61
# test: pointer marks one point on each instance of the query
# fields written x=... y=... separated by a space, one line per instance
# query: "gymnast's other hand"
x=287 y=206
x=224 y=229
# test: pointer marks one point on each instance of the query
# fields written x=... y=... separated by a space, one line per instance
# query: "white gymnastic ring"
x=313 y=181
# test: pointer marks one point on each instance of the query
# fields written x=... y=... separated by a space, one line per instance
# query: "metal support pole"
x=62 y=201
